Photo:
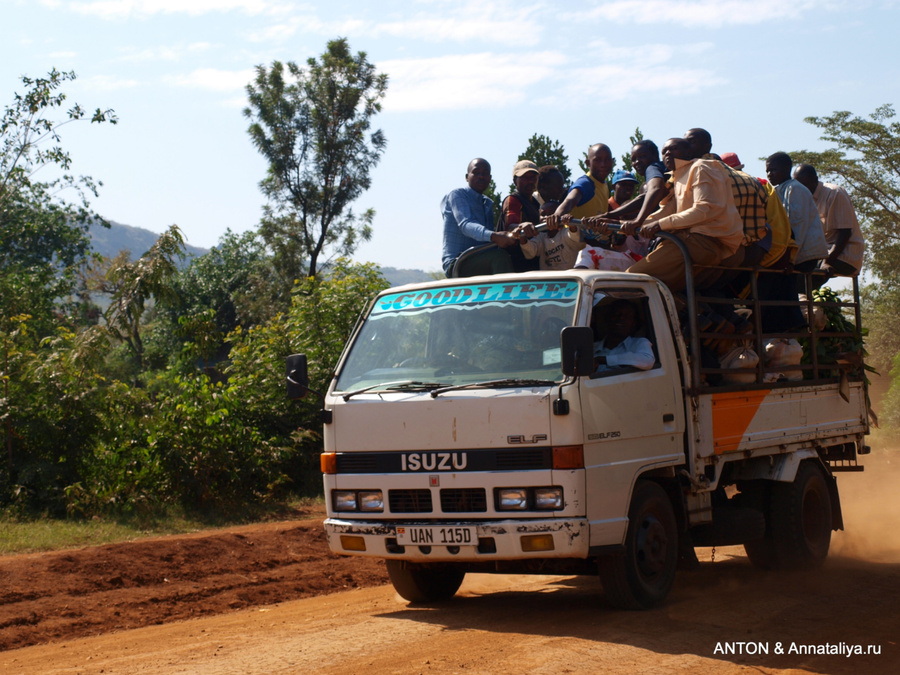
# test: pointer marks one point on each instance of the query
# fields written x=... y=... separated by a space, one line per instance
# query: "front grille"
x=525 y=460
x=410 y=501
x=466 y=500
x=357 y=462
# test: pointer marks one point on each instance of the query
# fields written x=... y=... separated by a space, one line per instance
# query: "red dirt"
x=83 y=592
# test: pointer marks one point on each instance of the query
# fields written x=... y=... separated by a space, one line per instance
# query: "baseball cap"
x=619 y=176
x=524 y=166
x=732 y=160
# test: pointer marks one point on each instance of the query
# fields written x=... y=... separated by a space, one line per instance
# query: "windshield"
x=462 y=334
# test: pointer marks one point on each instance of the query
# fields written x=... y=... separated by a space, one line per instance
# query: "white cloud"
x=122 y=9
x=166 y=53
x=107 y=83
x=498 y=22
x=465 y=80
x=212 y=79
x=491 y=80
x=646 y=69
x=698 y=13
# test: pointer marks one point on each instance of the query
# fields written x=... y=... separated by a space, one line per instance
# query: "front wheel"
x=417 y=582
x=642 y=576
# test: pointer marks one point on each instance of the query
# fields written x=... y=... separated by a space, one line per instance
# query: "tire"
x=801 y=519
x=761 y=553
x=799 y=522
x=417 y=582
x=642 y=576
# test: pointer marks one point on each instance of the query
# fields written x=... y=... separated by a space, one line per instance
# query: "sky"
x=466 y=79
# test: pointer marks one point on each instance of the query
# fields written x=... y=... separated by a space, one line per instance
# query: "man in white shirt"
x=842 y=233
x=617 y=347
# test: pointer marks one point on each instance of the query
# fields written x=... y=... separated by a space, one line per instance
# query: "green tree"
x=866 y=162
x=43 y=224
x=229 y=286
x=312 y=126
x=52 y=411
x=132 y=285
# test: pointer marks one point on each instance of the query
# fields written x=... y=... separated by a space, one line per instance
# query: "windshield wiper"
x=416 y=386
x=494 y=384
x=398 y=385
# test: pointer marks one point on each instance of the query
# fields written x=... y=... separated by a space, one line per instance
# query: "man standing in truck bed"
x=469 y=221
x=589 y=195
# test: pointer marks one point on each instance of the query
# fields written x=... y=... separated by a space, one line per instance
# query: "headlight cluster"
x=369 y=501
x=529 y=499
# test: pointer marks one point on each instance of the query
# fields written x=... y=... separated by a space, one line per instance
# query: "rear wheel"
x=801 y=515
x=642 y=576
x=799 y=522
x=419 y=582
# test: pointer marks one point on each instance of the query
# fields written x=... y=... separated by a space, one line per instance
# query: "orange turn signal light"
x=568 y=457
x=328 y=462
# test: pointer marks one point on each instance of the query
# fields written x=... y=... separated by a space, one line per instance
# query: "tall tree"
x=312 y=126
x=43 y=224
x=866 y=162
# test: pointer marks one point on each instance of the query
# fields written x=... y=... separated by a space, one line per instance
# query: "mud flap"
x=837 y=516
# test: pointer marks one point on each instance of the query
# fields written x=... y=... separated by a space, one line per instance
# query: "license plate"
x=436 y=535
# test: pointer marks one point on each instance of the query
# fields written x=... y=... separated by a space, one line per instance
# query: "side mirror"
x=577 y=343
x=297 y=376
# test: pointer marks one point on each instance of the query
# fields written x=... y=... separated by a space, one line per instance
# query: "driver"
x=618 y=347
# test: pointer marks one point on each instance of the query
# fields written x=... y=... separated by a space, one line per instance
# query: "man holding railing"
x=469 y=221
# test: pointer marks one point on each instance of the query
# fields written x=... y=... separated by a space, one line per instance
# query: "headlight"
x=344 y=500
x=548 y=498
x=512 y=499
x=358 y=500
x=371 y=501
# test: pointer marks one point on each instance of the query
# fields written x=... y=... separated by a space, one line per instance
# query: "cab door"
x=633 y=419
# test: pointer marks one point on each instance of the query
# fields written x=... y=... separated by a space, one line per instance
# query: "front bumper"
x=497 y=540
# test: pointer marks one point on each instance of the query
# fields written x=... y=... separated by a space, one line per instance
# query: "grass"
x=19 y=535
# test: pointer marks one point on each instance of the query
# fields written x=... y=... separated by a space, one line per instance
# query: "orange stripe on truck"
x=732 y=413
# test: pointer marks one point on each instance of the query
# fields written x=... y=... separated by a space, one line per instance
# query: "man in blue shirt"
x=469 y=221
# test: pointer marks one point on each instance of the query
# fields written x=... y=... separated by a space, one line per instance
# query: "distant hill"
x=398 y=277
x=110 y=242
x=137 y=240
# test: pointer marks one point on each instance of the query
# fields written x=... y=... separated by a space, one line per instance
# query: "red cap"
x=732 y=160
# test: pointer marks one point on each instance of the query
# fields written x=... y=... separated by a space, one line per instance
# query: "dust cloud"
x=871 y=505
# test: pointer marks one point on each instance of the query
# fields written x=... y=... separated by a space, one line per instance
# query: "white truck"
x=466 y=430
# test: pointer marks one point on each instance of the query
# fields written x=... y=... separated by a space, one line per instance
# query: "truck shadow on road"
x=726 y=610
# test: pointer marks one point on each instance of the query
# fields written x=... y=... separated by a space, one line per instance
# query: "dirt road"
x=726 y=617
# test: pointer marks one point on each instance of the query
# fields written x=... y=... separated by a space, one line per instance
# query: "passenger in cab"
x=614 y=326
